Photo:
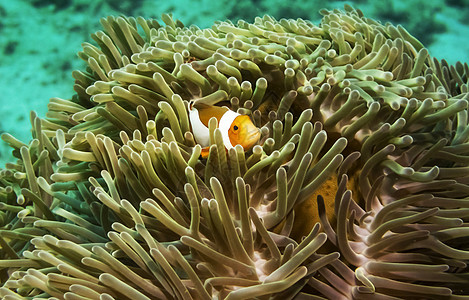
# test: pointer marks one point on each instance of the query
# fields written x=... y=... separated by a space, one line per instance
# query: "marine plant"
x=358 y=188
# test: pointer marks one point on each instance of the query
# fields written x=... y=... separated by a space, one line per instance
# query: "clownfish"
x=236 y=129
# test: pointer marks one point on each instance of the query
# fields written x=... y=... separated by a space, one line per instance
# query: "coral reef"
x=358 y=188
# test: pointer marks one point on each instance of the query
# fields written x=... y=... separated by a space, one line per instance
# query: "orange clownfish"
x=235 y=128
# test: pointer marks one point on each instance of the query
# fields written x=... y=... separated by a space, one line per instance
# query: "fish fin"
x=206 y=112
x=205 y=151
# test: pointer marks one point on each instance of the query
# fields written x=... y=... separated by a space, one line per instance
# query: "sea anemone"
x=358 y=188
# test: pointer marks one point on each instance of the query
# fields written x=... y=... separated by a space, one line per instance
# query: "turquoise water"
x=39 y=39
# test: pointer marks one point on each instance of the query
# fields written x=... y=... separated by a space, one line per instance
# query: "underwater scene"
x=234 y=149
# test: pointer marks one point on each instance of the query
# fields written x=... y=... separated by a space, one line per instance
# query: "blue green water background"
x=39 y=39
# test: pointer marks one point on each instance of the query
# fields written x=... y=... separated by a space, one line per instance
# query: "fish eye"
x=235 y=127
